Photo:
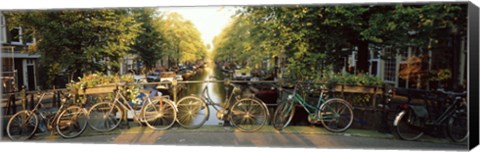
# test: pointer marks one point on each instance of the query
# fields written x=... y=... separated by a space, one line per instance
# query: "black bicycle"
x=415 y=120
x=244 y=113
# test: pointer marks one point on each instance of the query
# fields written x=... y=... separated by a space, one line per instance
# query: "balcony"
x=16 y=52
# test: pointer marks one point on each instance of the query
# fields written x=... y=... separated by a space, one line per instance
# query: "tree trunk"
x=363 y=54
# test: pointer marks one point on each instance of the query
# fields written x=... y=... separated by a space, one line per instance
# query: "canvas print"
x=375 y=76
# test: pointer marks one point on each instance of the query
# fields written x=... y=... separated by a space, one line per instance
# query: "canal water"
x=216 y=91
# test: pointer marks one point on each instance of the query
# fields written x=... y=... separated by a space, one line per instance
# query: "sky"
x=209 y=20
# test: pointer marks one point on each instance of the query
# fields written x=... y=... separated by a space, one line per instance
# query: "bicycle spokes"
x=191 y=111
x=105 y=116
x=160 y=116
x=22 y=125
x=336 y=115
x=248 y=115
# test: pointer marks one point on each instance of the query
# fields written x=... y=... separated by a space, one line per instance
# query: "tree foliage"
x=318 y=39
x=149 y=44
x=183 y=42
x=78 y=41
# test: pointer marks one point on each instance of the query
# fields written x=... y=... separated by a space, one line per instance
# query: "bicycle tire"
x=71 y=122
x=160 y=118
x=403 y=126
x=342 y=117
x=457 y=128
x=192 y=112
x=283 y=115
x=248 y=115
x=16 y=123
x=99 y=118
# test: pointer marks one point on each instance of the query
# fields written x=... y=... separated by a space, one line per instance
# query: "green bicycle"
x=335 y=114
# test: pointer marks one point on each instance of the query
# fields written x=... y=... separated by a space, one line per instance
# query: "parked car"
x=179 y=77
x=167 y=76
x=242 y=74
x=153 y=77
x=186 y=74
x=140 y=79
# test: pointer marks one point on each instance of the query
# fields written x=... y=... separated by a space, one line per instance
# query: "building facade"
x=19 y=68
x=414 y=67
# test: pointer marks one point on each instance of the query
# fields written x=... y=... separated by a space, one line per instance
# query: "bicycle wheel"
x=160 y=115
x=71 y=122
x=457 y=128
x=104 y=116
x=404 y=126
x=283 y=115
x=192 y=112
x=22 y=125
x=248 y=114
x=336 y=115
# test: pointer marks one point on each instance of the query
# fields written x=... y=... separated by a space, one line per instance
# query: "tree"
x=78 y=41
x=183 y=42
x=316 y=38
x=149 y=43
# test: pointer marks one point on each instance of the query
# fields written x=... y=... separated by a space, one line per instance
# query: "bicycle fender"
x=397 y=118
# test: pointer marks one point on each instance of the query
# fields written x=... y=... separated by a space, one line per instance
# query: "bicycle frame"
x=208 y=100
x=128 y=107
x=298 y=99
x=35 y=111
x=448 y=112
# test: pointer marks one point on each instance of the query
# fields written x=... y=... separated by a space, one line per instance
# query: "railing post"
x=59 y=99
x=23 y=96
x=374 y=98
x=384 y=118
x=11 y=106
x=54 y=98
x=32 y=98
x=226 y=84
x=174 y=85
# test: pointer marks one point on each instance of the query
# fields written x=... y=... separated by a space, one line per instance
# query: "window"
x=374 y=70
x=30 y=39
x=3 y=29
x=390 y=65
x=403 y=54
x=7 y=64
x=16 y=36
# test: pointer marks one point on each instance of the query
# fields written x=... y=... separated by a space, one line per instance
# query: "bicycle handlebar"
x=452 y=94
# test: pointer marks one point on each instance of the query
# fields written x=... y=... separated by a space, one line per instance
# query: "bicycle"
x=414 y=120
x=157 y=114
x=246 y=113
x=335 y=114
x=69 y=121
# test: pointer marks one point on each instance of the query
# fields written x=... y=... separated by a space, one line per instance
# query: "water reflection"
x=216 y=91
